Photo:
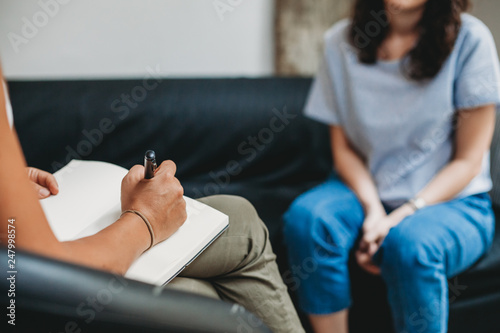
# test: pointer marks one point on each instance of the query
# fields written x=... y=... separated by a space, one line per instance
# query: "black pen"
x=149 y=164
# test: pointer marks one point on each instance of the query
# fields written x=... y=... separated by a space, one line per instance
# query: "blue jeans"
x=417 y=257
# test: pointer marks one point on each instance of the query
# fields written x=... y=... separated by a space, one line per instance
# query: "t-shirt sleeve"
x=321 y=104
x=478 y=74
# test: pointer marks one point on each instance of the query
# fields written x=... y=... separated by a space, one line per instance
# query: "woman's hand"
x=370 y=225
x=160 y=199
x=374 y=232
x=44 y=183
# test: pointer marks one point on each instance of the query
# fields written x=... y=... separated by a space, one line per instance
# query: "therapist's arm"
x=114 y=248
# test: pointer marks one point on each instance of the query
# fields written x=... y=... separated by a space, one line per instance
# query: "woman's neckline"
x=391 y=63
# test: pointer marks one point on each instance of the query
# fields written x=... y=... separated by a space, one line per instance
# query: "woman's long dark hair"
x=439 y=28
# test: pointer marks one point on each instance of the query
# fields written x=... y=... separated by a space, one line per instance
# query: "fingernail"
x=44 y=192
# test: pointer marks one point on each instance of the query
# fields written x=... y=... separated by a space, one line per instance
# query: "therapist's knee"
x=243 y=218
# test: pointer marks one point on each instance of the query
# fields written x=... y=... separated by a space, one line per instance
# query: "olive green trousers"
x=240 y=267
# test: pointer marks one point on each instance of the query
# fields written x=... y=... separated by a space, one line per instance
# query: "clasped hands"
x=376 y=226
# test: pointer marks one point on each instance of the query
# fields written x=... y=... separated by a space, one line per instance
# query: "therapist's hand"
x=159 y=199
x=44 y=183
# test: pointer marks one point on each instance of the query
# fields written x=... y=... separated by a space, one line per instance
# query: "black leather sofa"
x=235 y=136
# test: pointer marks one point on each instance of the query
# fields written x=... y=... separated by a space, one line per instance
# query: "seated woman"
x=240 y=264
x=409 y=88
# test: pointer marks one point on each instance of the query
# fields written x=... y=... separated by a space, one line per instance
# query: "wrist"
x=138 y=229
x=417 y=203
x=406 y=209
x=399 y=214
x=374 y=208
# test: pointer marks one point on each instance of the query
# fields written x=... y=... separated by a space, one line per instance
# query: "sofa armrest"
x=60 y=297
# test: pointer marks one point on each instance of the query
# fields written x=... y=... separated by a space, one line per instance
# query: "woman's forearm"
x=473 y=137
x=450 y=181
x=353 y=171
x=356 y=176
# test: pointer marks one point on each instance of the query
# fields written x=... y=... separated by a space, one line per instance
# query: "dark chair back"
x=53 y=296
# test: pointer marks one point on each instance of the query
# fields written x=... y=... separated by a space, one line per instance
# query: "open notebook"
x=89 y=201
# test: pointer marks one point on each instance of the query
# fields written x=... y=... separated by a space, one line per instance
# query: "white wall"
x=123 y=38
x=128 y=38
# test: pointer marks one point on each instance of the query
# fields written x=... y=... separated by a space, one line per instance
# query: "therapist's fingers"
x=135 y=174
x=45 y=180
x=159 y=199
x=167 y=168
x=41 y=191
x=49 y=181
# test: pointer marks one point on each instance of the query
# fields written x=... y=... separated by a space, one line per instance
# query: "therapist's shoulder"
x=337 y=37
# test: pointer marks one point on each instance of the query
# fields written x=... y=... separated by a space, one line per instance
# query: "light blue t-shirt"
x=403 y=128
